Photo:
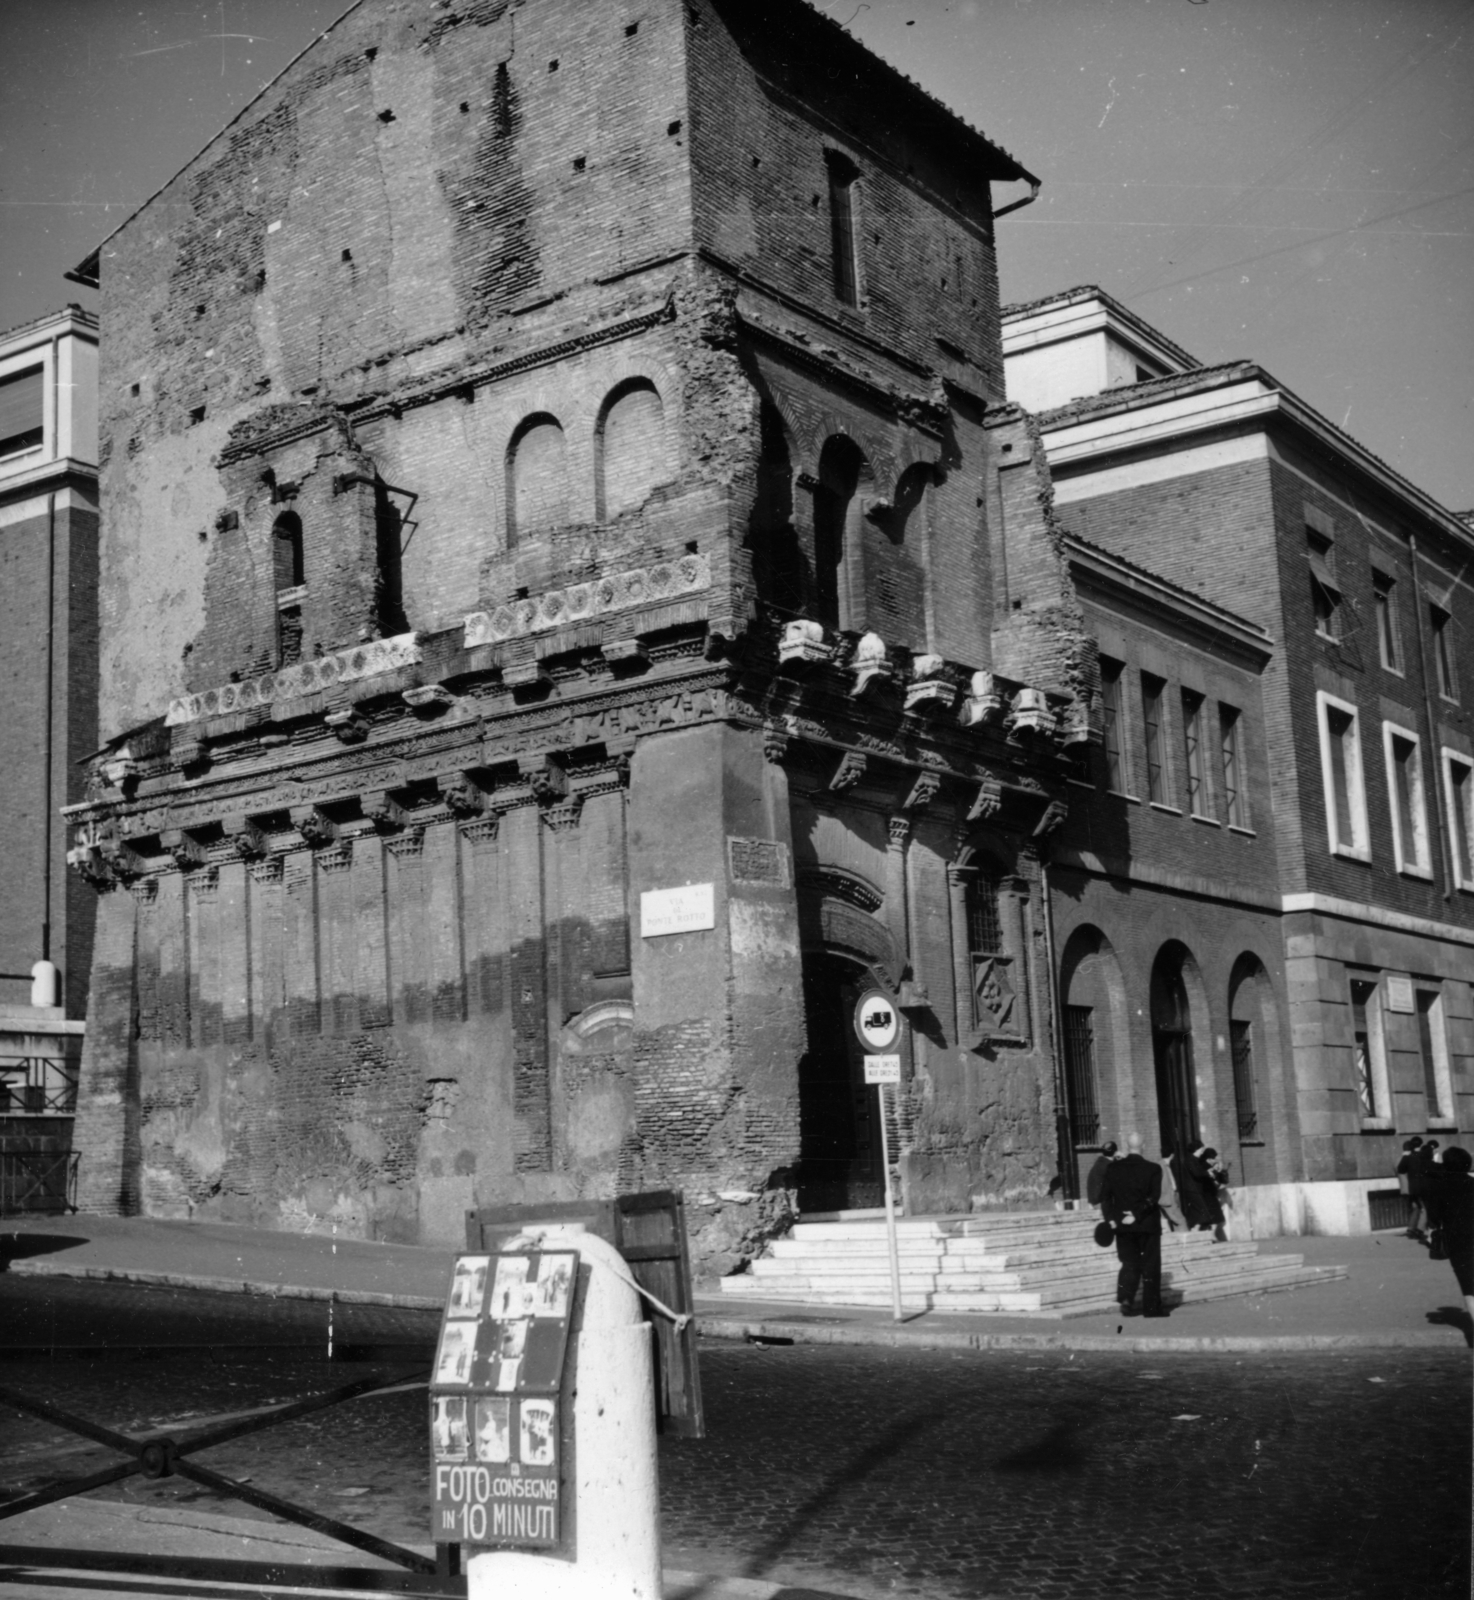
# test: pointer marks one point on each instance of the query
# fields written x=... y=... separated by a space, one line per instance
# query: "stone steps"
x=1043 y=1264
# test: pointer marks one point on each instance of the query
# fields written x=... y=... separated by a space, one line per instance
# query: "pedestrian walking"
x=1096 y=1176
x=1450 y=1203
x=1131 y=1199
x=1420 y=1187
x=1409 y=1181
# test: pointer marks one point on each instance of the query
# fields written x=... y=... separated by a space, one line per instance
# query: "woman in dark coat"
x=1198 y=1191
x=1410 y=1171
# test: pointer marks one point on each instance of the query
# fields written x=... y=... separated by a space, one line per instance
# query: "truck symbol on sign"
x=878 y=1019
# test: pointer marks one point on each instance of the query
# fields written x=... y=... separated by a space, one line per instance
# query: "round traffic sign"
x=877 y=1021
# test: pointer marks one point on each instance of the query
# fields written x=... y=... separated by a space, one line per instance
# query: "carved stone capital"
x=267 y=870
x=336 y=857
x=545 y=777
x=564 y=816
x=315 y=826
x=185 y=849
x=383 y=810
x=408 y=846
x=898 y=829
x=244 y=837
x=463 y=796
x=483 y=830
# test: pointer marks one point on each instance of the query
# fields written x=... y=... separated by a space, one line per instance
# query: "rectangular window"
x=1241 y=1035
x=1389 y=627
x=1154 y=733
x=1192 y=747
x=1341 y=774
x=22 y=411
x=1110 y=699
x=842 y=177
x=1231 y=767
x=1458 y=789
x=1442 y=626
x=1368 y=1060
x=1325 y=592
x=1405 y=790
x=1080 y=1075
x=1433 y=1048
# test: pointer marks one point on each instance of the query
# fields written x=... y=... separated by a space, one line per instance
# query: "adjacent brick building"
x=1267 y=914
x=576 y=612
x=48 y=662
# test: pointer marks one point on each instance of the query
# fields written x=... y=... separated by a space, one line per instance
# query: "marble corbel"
x=871 y=665
x=930 y=689
x=983 y=702
x=803 y=645
x=988 y=800
x=849 y=771
x=349 y=725
x=428 y=699
x=1031 y=713
x=1052 y=819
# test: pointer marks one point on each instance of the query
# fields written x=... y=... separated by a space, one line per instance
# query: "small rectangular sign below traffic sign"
x=882 y=1069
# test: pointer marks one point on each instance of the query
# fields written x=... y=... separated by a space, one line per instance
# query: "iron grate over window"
x=1242 y=1036
x=1389 y=1208
x=1080 y=1075
x=984 y=930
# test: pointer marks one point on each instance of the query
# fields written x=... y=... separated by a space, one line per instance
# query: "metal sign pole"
x=890 y=1213
x=878 y=1025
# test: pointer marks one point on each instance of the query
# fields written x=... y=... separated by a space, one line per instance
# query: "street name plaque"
x=496 y=1400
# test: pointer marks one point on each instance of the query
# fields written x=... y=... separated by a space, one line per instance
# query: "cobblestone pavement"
x=953 y=1475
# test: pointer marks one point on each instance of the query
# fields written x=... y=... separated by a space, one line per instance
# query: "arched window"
x=842 y=465
x=1098 y=1079
x=632 y=457
x=537 y=478
x=776 y=558
x=290 y=574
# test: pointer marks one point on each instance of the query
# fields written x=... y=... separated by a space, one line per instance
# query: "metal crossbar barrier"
x=38 y=1180
x=163 y=1455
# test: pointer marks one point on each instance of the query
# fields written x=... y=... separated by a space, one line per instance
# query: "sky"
x=1290 y=181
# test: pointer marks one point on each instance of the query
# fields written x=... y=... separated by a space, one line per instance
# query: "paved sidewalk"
x=1393 y=1295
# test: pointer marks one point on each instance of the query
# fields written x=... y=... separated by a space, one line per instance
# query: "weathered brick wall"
x=48 y=605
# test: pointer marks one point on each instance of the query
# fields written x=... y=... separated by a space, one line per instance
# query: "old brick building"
x=1266 y=909
x=575 y=612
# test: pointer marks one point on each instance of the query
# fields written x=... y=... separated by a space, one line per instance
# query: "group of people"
x=1128 y=1190
x=1441 y=1190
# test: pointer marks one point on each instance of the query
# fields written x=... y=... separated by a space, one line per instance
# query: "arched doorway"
x=839 y=1132
x=1172 y=1052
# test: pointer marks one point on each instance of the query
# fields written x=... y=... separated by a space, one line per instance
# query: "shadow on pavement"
x=1055 y=1452
x=1454 y=1317
x=17 y=1246
x=890 y=1443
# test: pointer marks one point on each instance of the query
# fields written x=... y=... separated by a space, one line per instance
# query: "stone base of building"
x=1279 y=1210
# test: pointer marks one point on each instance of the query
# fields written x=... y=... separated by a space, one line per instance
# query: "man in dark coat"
x=1131 y=1198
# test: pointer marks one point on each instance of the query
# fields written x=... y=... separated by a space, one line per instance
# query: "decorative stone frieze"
x=619 y=591
x=367 y=660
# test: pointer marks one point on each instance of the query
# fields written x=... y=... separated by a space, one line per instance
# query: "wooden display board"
x=498 y=1417
x=649 y=1231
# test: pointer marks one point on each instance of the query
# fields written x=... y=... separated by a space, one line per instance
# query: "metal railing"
x=38 y=1180
x=37 y=1086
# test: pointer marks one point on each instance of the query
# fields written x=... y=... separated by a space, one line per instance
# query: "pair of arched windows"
x=630 y=460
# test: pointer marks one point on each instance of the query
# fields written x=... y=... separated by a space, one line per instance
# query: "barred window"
x=1241 y=1035
x=1080 y=1075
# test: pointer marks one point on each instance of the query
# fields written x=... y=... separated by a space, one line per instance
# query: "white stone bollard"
x=45 y=983
x=616 y=1486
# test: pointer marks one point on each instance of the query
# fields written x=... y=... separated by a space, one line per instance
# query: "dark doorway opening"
x=839 y=1130
x=1172 y=1049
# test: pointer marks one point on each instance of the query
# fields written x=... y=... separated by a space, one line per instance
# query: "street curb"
x=776 y=1330
x=185 y=1280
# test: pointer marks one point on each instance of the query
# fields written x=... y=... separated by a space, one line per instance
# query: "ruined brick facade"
x=554 y=453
